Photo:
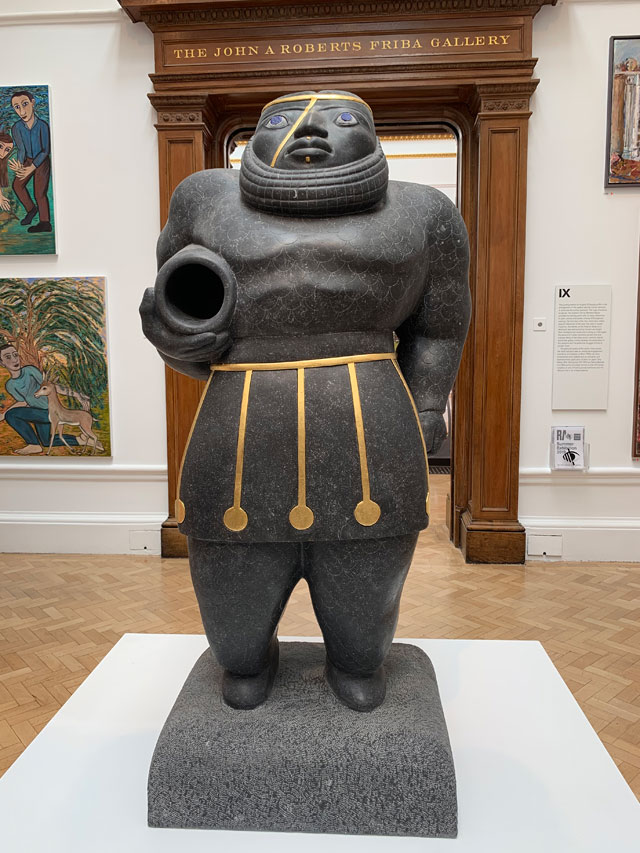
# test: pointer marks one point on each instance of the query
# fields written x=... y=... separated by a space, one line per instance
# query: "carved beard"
x=334 y=191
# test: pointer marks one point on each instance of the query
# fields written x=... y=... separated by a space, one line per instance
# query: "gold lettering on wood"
x=435 y=43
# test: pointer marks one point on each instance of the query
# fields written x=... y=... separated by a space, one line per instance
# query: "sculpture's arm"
x=191 y=354
x=186 y=343
x=432 y=338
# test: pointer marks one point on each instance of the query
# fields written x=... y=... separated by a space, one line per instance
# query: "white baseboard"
x=614 y=540
x=80 y=533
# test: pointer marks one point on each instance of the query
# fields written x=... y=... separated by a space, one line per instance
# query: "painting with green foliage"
x=54 y=394
x=27 y=225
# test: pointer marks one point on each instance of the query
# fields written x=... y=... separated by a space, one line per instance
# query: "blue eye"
x=277 y=121
x=346 y=120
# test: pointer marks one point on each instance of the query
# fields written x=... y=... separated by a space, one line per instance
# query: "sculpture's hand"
x=434 y=430
x=200 y=347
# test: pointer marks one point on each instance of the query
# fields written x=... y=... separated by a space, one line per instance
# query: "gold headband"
x=312 y=100
x=325 y=96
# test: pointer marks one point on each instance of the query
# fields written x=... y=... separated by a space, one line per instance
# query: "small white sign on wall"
x=568 y=448
x=581 y=346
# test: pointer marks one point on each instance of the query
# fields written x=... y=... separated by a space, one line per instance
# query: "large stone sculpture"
x=282 y=287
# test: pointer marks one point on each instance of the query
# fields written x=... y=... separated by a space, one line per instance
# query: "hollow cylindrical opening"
x=194 y=292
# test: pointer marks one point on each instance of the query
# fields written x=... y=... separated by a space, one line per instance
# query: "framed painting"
x=623 y=113
x=27 y=222
x=54 y=394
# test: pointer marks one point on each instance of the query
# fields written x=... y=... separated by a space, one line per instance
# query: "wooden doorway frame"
x=483 y=92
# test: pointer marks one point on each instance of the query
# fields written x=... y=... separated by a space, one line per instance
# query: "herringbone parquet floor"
x=59 y=615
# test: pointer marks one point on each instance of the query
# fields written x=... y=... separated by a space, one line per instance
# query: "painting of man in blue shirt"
x=32 y=163
x=29 y=415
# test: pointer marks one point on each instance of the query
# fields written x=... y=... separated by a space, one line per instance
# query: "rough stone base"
x=302 y=762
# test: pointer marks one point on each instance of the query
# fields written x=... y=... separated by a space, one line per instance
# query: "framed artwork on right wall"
x=623 y=113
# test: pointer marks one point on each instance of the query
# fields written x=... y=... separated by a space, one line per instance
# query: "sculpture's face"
x=314 y=131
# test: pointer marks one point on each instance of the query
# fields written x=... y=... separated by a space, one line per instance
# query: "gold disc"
x=235 y=518
x=301 y=517
x=367 y=513
x=180 y=511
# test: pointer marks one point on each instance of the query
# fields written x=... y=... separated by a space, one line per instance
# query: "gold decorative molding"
x=427 y=156
x=401 y=137
x=417 y=156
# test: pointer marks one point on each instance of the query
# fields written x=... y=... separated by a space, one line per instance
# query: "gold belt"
x=301 y=517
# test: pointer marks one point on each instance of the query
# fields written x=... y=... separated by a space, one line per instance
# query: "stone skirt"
x=307 y=453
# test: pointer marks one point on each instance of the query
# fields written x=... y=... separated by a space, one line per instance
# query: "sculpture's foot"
x=245 y=692
x=358 y=692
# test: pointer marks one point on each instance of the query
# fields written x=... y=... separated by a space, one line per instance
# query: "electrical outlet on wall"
x=544 y=545
x=142 y=541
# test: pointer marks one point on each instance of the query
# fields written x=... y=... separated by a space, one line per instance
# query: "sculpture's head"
x=314 y=154
x=313 y=130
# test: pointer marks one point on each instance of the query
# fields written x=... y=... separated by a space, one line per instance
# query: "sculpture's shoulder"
x=437 y=214
x=207 y=184
x=428 y=203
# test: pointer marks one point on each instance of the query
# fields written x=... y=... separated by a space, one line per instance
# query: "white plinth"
x=532 y=775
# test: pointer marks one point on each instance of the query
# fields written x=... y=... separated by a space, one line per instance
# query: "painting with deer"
x=54 y=394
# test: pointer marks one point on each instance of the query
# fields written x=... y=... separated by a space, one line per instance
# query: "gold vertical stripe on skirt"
x=301 y=516
x=415 y=412
x=235 y=518
x=180 y=510
x=367 y=512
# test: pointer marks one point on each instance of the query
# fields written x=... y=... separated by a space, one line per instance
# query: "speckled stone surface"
x=304 y=763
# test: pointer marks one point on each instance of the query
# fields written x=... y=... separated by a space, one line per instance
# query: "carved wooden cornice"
x=491 y=99
x=184 y=110
x=160 y=14
x=425 y=71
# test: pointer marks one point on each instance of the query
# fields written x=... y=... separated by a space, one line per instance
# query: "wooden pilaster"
x=184 y=140
x=490 y=530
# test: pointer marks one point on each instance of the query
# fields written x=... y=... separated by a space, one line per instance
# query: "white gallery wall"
x=105 y=174
x=579 y=234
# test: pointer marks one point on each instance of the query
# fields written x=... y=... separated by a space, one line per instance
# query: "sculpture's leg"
x=241 y=592
x=355 y=588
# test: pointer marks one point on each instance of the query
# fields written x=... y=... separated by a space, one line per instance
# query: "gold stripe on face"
x=235 y=518
x=367 y=512
x=292 y=131
x=301 y=516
